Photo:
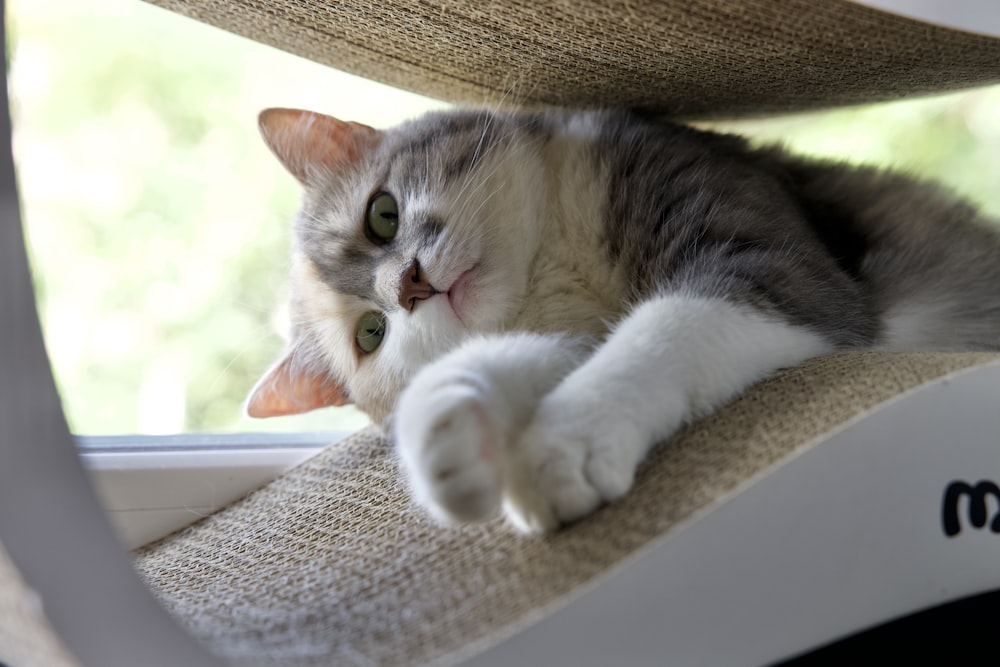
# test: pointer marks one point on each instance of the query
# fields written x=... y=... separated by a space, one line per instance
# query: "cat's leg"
x=454 y=422
x=672 y=359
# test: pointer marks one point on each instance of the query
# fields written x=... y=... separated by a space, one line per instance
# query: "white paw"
x=572 y=458
x=451 y=448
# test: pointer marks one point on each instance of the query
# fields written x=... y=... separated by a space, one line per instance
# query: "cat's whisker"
x=484 y=180
x=471 y=172
x=479 y=207
x=247 y=343
x=260 y=309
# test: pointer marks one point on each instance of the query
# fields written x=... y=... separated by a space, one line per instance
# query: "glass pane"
x=157 y=221
x=954 y=139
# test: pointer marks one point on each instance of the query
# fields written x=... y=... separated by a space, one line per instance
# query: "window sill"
x=154 y=485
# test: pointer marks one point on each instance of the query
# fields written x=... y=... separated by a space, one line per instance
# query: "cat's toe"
x=560 y=470
x=551 y=487
x=610 y=472
x=450 y=450
x=568 y=464
x=460 y=465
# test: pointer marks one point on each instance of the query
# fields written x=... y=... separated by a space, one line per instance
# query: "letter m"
x=977 y=506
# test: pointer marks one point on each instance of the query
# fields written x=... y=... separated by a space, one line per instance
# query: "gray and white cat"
x=529 y=302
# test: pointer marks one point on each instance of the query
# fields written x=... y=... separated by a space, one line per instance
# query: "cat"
x=528 y=302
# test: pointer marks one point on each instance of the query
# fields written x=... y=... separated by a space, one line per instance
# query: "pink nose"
x=414 y=287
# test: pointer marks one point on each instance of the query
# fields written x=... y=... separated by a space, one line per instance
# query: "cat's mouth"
x=458 y=293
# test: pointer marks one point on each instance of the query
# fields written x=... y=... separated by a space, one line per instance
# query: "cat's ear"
x=311 y=144
x=291 y=388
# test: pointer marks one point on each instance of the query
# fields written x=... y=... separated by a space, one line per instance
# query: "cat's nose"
x=414 y=287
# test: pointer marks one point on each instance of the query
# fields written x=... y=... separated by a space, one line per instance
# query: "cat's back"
x=619 y=186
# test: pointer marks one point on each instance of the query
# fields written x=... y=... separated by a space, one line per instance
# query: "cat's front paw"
x=572 y=458
x=450 y=446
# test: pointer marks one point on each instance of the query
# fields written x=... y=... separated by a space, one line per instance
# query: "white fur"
x=472 y=439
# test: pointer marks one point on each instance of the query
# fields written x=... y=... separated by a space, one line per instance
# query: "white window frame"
x=151 y=486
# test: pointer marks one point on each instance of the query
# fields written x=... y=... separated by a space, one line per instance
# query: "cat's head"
x=409 y=241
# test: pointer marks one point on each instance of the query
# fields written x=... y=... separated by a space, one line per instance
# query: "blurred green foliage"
x=156 y=218
x=953 y=138
x=157 y=221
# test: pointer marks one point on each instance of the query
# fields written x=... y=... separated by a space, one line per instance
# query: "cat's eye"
x=370 y=331
x=382 y=218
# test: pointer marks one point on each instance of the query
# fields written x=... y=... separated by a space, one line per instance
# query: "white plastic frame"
x=51 y=524
x=846 y=536
x=153 y=485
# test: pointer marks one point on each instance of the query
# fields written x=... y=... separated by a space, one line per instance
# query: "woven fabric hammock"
x=700 y=58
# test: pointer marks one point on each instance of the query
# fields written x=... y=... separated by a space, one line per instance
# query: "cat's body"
x=546 y=296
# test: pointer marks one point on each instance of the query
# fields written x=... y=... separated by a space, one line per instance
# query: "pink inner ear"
x=309 y=143
x=287 y=389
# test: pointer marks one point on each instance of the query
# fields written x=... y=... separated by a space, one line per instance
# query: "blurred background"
x=157 y=222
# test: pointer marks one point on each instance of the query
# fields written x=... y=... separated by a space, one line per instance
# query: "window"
x=157 y=222
x=158 y=227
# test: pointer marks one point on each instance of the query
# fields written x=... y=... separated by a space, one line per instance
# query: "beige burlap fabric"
x=696 y=58
x=332 y=564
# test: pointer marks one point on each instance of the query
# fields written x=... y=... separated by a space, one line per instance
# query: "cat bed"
x=332 y=564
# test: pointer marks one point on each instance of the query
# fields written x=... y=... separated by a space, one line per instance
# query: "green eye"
x=382 y=218
x=370 y=331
